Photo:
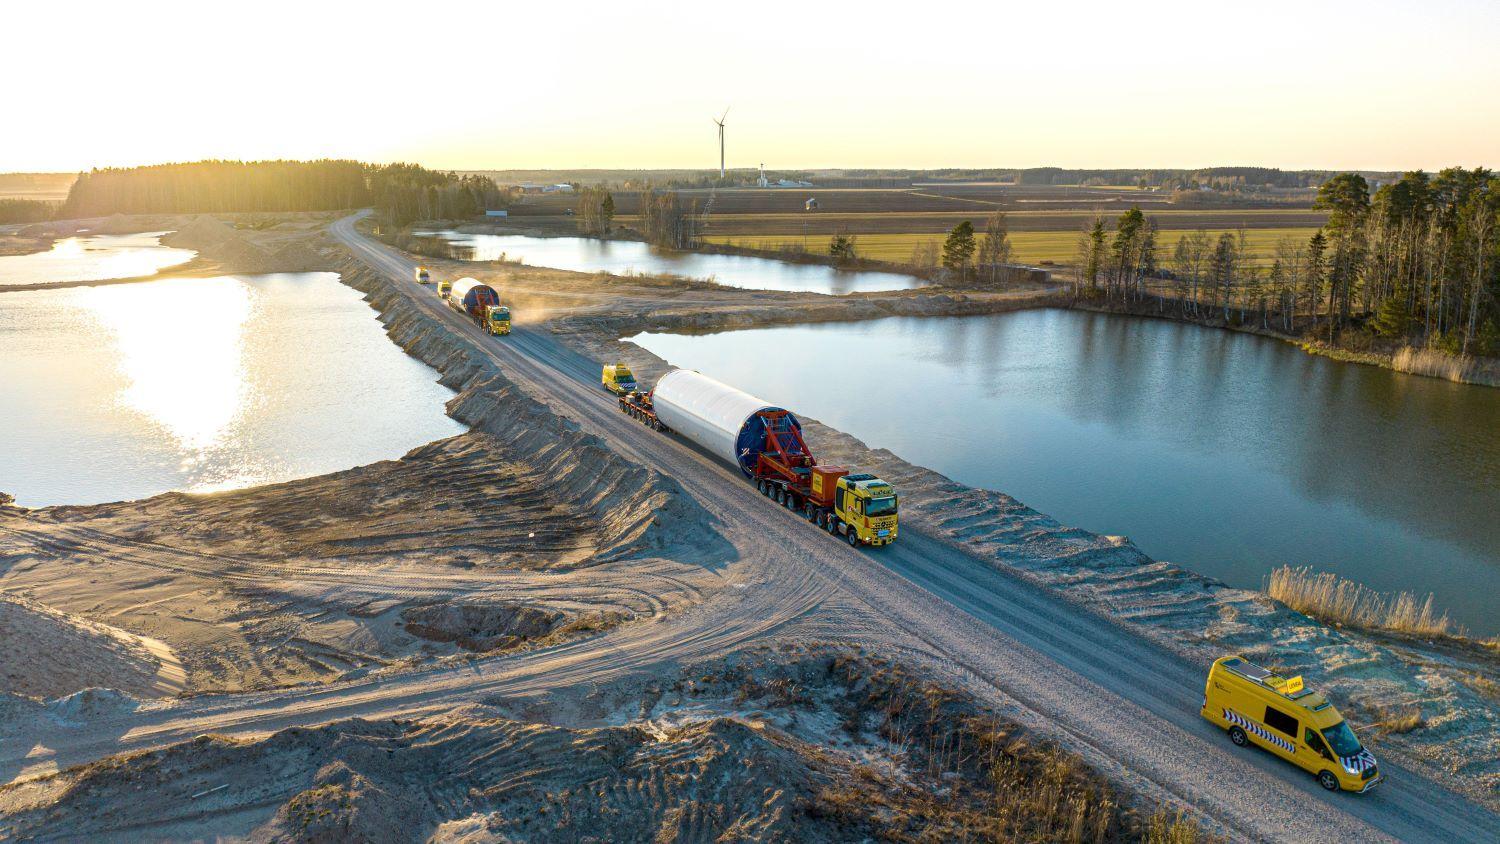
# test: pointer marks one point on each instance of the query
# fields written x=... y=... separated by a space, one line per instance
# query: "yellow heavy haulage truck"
x=497 y=320
x=765 y=443
x=1262 y=708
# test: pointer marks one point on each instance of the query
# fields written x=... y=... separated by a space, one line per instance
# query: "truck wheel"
x=831 y=524
x=1328 y=780
x=1238 y=736
x=853 y=536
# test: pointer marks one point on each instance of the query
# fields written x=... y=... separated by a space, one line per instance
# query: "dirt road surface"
x=1127 y=705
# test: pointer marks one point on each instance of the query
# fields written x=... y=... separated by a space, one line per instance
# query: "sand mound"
x=45 y=653
x=239 y=255
x=87 y=704
x=203 y=232
x=297 y=257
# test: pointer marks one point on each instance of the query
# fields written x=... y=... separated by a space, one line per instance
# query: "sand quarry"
x=527 y=534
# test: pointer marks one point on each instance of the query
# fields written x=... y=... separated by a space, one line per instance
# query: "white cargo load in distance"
x=718 y=418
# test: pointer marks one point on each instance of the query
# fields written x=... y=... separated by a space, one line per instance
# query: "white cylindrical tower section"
x=720 y=419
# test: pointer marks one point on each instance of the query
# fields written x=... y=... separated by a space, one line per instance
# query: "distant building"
x=763 y=181
x=812 y=204
x=793 y=183
x=561 y=188
x=497 y=213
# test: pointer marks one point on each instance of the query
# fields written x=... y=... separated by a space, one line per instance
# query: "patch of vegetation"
x=1335 y=600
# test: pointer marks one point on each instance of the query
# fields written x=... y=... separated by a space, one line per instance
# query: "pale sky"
x=1308 y=84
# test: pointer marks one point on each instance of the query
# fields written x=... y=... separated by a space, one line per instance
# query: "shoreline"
x=1481 y=372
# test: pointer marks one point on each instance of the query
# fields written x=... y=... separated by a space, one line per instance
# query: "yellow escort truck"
x=618 y=379
x=1260 y=707
x=497 y=320
x=443 y=289
x=423 y=277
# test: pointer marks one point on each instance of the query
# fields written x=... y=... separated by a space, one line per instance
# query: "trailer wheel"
x=811 y=512
x=776 y=494
x=853 y=536
x=789 y=500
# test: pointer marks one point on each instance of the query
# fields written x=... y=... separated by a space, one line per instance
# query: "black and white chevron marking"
x=1358 y=763
x=1235 y=718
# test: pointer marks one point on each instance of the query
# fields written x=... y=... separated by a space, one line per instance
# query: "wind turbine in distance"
x=720 y=122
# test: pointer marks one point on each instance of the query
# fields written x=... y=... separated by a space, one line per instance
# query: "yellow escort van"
x=1258 y=706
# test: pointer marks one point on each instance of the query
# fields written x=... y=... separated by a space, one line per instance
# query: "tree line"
x=1416 y=260
x=405 y=193
x=401 y=193
x=27 y=210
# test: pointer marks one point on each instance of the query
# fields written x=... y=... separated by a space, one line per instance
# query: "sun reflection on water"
x=180 y=347
x=93 y=257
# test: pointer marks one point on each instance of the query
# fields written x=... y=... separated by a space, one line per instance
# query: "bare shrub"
x=1330 y=598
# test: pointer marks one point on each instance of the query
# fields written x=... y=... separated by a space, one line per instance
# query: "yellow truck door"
x=1320 y=755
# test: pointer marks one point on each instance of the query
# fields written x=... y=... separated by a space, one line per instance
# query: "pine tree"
x=958 y=249
x=1393 y=319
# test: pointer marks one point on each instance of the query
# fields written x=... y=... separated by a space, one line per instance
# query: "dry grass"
x=1332 y=599
x=1166 y=827
x=1400 y=722
x=1430 y=362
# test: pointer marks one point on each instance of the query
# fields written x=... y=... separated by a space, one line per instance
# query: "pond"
x=93 y=258
x=622 y=257
x=1227 y=453
x=201 y=384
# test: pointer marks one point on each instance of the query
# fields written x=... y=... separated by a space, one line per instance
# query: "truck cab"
x=867 y=507
x=443 y=289
x=618 y=379
x=497 y=320
x=423 y=277
x=1262 y=708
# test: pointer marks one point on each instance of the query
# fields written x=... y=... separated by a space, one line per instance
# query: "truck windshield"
x=881 y=506
x=1342 y=739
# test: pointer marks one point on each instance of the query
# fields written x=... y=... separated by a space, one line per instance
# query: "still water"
x=93 y=258
x=201 y=384
x=587 y=254
x=1227 y=453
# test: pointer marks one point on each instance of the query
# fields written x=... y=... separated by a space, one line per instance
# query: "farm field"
x=957 y=198
x=1031 y=247
x=822 y=222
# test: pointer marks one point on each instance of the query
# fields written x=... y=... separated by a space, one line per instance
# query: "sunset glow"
x=485 y=85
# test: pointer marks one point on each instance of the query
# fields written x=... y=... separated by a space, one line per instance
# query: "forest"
x=1416 y=260
x=400 y=193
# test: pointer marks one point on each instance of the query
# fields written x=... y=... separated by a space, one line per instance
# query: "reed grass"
x=1330 y=598
x=1431 y=362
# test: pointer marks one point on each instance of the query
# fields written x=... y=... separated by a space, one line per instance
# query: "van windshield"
x=1342 y=739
